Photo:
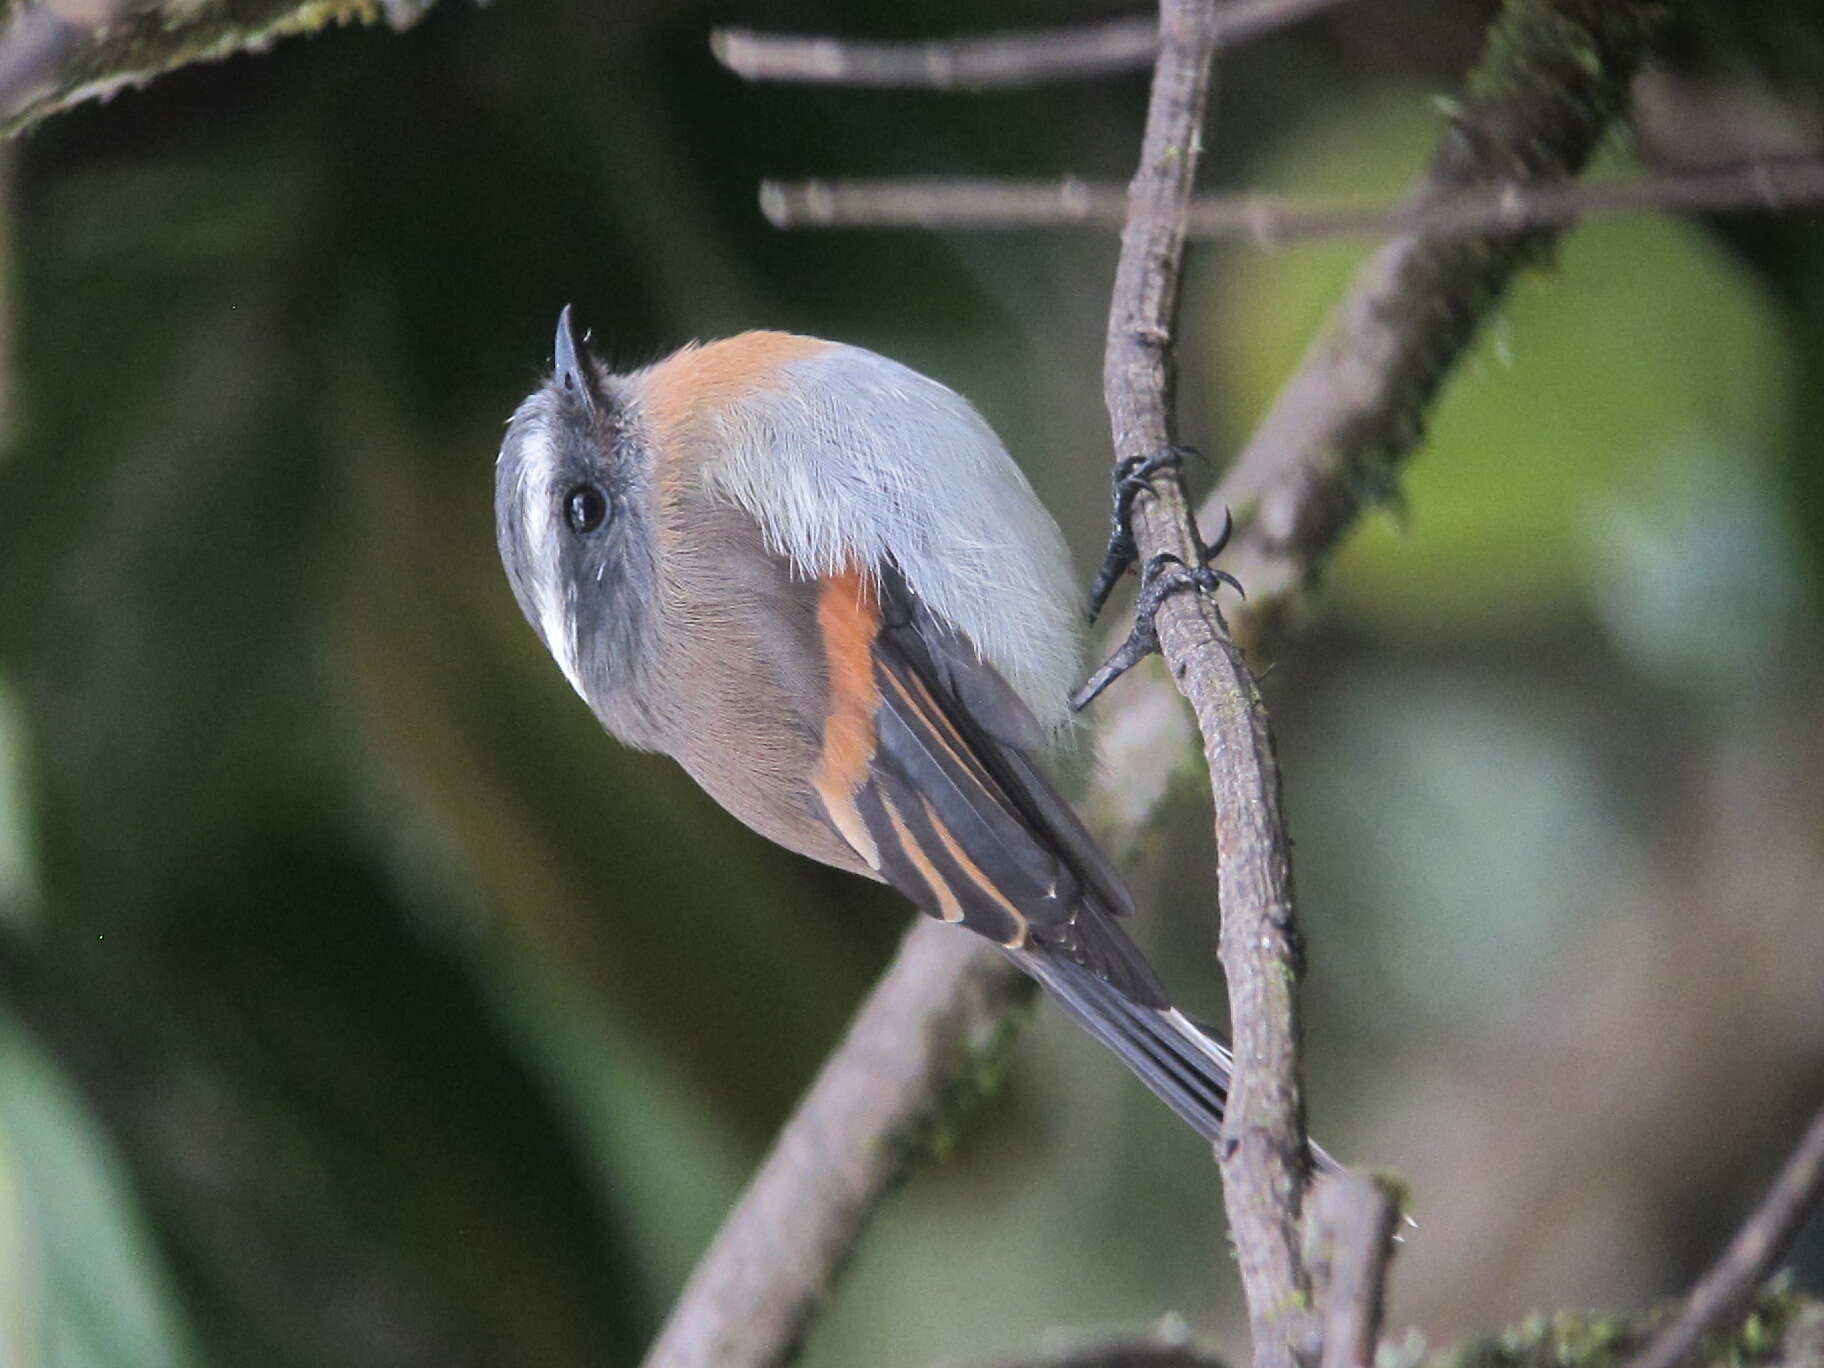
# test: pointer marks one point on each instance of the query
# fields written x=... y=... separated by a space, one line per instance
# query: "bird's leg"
x=1132 y=474
x=1163 y=575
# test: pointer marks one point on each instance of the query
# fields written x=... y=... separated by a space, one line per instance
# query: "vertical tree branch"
x=1263 y=1160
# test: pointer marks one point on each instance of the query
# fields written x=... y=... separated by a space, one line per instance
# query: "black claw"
x=1162 y=576
x=1142 y=639
x=1131 y=476
x=1120 y=554
x=1138 y=646
x=1217 y=547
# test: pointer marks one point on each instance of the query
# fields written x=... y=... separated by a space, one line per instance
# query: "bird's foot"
x=1163 y=575
x=1132 y=475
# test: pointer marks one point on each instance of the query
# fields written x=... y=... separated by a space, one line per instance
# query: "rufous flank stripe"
x=848 y=619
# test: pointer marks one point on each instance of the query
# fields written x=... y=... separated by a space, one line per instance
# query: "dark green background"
x=361 y=1003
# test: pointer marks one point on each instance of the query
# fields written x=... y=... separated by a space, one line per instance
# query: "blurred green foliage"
x=366 y=1005
x=1641 y=340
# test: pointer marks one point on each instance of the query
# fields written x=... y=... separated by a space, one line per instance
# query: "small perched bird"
x=816 y=579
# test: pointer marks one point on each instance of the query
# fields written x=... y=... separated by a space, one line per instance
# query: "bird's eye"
x=586 y=508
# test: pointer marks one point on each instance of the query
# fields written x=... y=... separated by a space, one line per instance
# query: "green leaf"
x=85 y=1285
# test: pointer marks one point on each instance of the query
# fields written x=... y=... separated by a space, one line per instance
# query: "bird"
x=816 y=579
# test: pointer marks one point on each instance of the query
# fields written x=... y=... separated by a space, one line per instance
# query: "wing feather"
x=966 y=822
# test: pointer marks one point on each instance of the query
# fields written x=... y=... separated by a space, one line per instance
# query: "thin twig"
x=919 y=1050
x=1723 y=1294
x=999 y=59
x=991 y=61
x=1554 y=77
x=1510 y=206
x=1349 y=1242
x=1263 y=1155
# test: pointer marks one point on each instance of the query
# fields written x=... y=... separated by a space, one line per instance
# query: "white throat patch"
x=541 y=533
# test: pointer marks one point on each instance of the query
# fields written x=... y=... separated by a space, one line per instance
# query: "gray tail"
x=1186 y=1067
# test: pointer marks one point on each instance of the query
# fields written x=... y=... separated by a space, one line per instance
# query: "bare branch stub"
x=1724 y=1293
x=1264 y=1163
x=1349 y=1242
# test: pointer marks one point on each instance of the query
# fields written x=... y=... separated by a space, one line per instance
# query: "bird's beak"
x=568 y=352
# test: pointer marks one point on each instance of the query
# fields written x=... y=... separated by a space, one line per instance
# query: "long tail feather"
x=1186 y=1067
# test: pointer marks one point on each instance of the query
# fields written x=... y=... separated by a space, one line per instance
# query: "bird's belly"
x=767 y=785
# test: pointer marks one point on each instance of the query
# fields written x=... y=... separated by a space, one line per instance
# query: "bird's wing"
x=926 y=773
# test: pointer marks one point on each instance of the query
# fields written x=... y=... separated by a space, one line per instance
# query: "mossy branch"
x=58 y=53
